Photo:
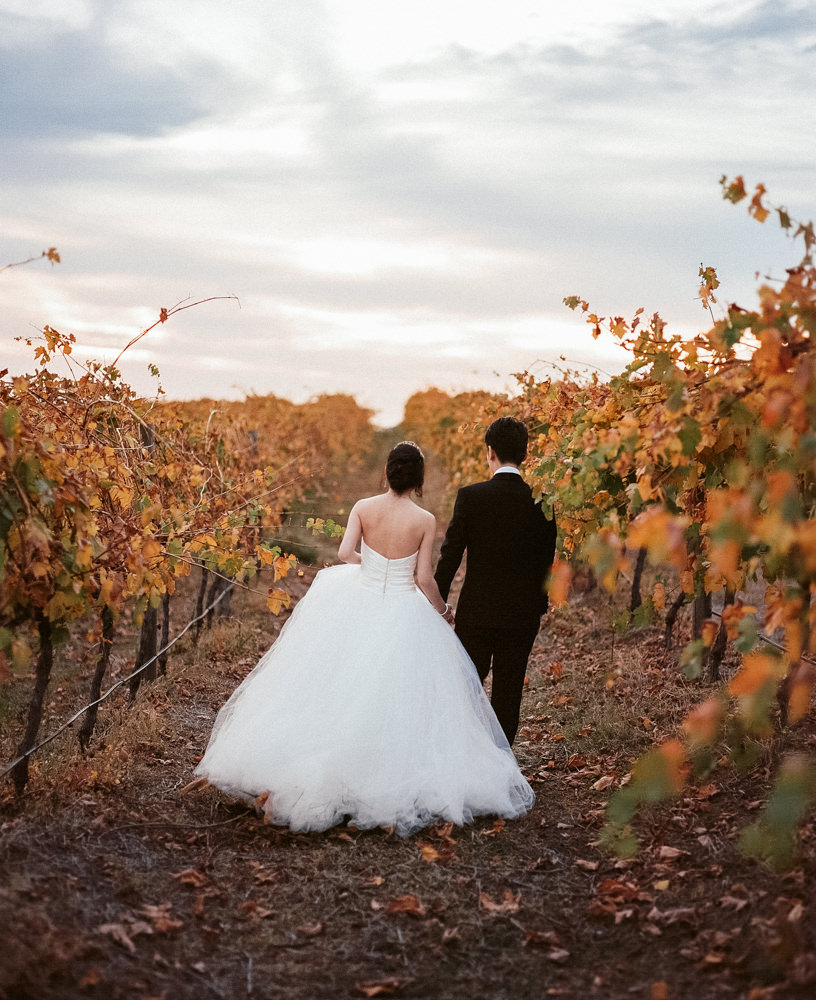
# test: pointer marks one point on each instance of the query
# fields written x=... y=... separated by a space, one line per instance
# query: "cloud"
x=395 y=224
x=72 y=83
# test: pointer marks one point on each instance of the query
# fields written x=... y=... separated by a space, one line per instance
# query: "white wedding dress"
x=367 y=707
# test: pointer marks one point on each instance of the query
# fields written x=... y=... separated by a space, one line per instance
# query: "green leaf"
x=674 y=400
x=748 y=633
x=690 y=436
x=10 y=421
x=59 y=635
x=758 y=448
x=643 y=616
x=620 y=622
x=662 y=366
x=773 y=837
x=691 y=660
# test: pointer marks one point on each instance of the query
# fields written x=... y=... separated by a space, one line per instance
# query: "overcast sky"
x=400 y=195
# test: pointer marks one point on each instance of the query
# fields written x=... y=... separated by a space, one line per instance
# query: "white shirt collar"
x=507 y=468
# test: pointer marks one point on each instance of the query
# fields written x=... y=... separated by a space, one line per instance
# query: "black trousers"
x=506 y=651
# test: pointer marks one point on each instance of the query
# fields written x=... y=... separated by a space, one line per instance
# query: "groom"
x=510 y=548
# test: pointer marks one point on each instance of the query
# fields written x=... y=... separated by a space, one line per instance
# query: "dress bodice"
x=387 y=575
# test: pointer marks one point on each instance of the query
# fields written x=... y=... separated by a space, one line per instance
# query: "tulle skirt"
x=366 y=708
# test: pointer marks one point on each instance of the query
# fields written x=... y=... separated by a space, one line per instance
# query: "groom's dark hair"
x=508 y=438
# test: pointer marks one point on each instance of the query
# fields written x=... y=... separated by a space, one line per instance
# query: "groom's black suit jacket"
x=510 y=548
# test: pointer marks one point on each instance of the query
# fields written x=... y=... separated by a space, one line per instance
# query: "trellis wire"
x=10 y=767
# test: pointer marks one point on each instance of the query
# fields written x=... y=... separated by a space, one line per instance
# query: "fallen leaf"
x=265 y=877
x=603 y=782
x=193 y=785
x=250 y=908
x=376 y=880
x=732 y=903
x=559 y=955
x=430 y=853
x=91 y=978
x=685 y=914
x=590 y=866
x=124 y=932
x=542 y=939
x=667 y=853
x=191 y=876
x=406 y=904
x=509 y=904
x=378 y=987
x=312 y=930
x=161 y=919
x=618 y=889
x=660 y=991
x=713 y=958
x=451 y=934
x=495 y=830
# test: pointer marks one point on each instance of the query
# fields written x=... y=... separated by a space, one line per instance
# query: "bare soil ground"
x=115 y=883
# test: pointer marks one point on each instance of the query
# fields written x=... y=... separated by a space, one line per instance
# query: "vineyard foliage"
x=702 y=452
x=106 y=498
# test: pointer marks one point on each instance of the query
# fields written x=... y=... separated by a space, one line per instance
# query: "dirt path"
x=115 y=883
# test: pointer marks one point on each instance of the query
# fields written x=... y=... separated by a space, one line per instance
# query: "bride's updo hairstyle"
x=405 y=468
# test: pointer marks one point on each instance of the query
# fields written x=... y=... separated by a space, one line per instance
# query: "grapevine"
x=700 y=455
x=107 y=499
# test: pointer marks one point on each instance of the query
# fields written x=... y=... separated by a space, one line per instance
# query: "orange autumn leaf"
x=508 y=904
x=281 y=566
x=410 y=904
x=702 y=724
x=661 y=534
x=725 y=565
x=710 y=628
x=732 y=615
x=277 y=600
x=756 y=208
x=757 y=670
x=659 y=596
x=674 y=754
x=559 y=582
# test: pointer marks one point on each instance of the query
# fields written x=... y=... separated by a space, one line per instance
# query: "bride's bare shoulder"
x=425 y=515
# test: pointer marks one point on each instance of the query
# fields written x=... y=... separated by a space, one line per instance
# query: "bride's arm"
x=424 y=572
x=354 y=532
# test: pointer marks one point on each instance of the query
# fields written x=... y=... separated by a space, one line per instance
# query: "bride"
x=367 y=707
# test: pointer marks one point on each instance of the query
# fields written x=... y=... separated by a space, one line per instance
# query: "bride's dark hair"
x=405 y=468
